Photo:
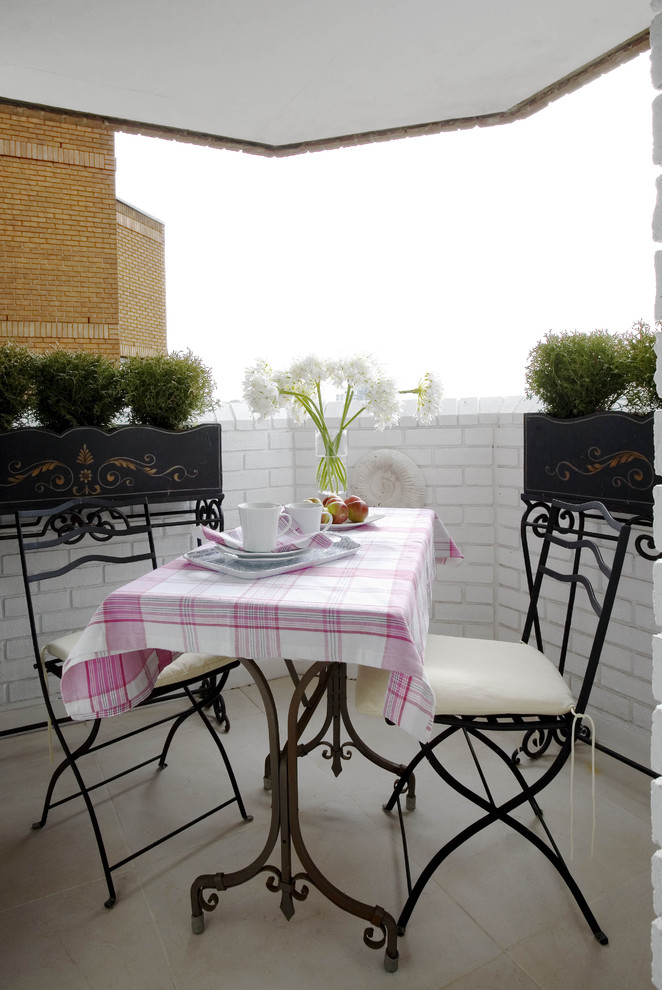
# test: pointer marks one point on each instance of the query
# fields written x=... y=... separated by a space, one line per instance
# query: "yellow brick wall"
x=58 y=260
x=141 y=282
x=76 y=266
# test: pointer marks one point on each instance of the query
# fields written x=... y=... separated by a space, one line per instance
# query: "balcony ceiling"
x=283 y=76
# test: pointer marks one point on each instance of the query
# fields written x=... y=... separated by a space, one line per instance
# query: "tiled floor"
x=495 y=917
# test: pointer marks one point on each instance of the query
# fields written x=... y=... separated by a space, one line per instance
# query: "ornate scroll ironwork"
x=536 y=515
x=99 y=524
x=208 y=512
x=285 y=831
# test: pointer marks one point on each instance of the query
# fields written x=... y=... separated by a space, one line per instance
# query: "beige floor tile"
x=69 y=940
x=496 y=915
x=561 y=957
x=498 y=974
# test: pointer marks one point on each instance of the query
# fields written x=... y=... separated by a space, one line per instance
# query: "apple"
x=339 y=512
x=331 y=498
x=317 y=501
x=357 y=508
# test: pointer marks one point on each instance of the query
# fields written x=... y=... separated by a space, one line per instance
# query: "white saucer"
x=374 y=517
x=260 y=555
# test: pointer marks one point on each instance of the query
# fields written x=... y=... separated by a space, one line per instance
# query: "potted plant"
x=594 y=436
x=167 y=390
x=78 y=446
x=16 y=384
x=76 y=388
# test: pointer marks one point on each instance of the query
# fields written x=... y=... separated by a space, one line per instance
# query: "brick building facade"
x=141 y=282
x=76 y=265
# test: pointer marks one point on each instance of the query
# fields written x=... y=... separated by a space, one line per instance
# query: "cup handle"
x=291 y=526
x=325 y=526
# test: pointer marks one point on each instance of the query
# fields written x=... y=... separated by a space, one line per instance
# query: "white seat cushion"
x=491 y=677
x=478 y=677
x=62 y=647
x=183 y=668
x=191 y=665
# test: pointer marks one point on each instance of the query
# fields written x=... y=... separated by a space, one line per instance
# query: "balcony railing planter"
x=39 y=467
x=594 y=436
x=76 y=449
x=607 y=456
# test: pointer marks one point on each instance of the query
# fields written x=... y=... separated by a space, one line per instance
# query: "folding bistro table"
x=369 y=607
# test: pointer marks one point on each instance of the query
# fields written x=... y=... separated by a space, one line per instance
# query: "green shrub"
x=16 y=384
x=76 y=388
x=640 y=395
x=168 y=390
x=574 y=374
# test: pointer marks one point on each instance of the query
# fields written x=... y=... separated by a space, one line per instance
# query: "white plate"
x=259 y=555
x=213 y=558
x=374 y=517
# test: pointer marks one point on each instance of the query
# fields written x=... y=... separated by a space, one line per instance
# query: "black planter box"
x=606 y=456
x=39 y=468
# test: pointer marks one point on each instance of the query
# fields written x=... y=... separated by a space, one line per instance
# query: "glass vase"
x=331 y=465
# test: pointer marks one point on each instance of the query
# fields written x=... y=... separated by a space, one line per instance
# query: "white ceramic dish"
x=373 y=517
x=258 y=555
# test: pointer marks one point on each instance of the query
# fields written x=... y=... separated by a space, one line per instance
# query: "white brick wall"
x=471 y=460
x=656 y=741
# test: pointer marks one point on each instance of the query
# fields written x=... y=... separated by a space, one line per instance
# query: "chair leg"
x=402 y=782
x=71 y=761
x=197 y=706
x=557 y=860
x=509 y=762
x=68 y=762
x=214 y=697
x=224 y=756
x=171 y=733
x=493 y=813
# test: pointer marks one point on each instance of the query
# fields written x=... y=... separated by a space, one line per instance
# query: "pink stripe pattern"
x=371 y=608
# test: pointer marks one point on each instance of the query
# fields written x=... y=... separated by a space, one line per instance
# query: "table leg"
x=223 y=881
x=337 y=716
x=375 y=915
x=285 y=822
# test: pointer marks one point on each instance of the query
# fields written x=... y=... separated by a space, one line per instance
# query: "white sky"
x=453 y=253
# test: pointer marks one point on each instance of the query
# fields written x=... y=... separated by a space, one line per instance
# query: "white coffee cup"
x=308 y=516
x=259 y=525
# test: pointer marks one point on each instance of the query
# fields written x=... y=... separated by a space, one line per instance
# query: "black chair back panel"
x=576 y=542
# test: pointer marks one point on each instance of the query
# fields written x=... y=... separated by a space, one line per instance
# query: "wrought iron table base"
x=285 y=819
x=337 y=716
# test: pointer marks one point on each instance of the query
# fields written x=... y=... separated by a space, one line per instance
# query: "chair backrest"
x=583 y=549
x=76 y=533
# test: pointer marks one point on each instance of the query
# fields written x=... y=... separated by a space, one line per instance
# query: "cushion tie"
x=42 y=656
x=579 y=715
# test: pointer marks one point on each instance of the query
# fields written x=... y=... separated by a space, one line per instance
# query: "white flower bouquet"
x=299 y=389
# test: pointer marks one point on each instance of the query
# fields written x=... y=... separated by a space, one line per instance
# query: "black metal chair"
x=78 y=533
x=484 y=688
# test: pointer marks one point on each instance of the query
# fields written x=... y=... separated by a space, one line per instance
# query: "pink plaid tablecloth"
x=370 y=608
